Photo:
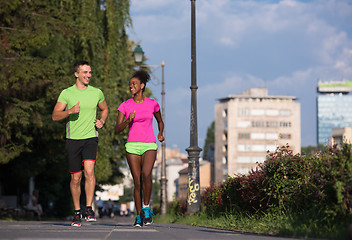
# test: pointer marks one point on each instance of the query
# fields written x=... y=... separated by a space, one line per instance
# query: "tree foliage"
x=210 y=139
x=39 y=42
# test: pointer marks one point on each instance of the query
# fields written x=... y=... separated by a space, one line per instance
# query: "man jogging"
x=78 y=104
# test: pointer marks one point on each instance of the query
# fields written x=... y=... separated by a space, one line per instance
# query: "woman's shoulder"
x=125 y=104
x=150 y=100
x=128 y=101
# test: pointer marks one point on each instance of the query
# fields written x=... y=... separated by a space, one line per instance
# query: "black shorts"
x=79 y=151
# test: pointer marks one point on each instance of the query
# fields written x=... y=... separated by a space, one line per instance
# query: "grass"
x=308 y=225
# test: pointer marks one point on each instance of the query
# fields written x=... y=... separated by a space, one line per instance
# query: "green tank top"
x=81 y=125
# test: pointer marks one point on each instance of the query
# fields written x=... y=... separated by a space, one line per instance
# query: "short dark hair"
x=78 y=64
x=142 y=76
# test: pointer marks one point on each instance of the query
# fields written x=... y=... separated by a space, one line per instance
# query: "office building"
x=334 y=107
x=249 y=125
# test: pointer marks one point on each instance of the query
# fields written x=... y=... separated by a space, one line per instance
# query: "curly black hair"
x=142 y=76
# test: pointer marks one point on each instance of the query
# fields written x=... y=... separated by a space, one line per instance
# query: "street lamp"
x=193 y=190
x=138 y=54
x=138 y=57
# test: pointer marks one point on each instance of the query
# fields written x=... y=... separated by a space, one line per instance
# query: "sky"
x=285 y=46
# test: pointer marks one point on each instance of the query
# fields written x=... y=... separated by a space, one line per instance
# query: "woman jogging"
x=141 y=147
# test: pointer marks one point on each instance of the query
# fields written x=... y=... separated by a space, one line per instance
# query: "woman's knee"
x=137 y=183
x=146 y=176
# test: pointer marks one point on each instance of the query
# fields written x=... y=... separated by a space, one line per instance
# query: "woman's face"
x=136 y=86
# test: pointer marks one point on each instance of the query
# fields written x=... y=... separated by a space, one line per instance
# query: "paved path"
x=118 y=228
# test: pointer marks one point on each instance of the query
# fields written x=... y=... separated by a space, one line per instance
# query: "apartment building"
x=250 y=124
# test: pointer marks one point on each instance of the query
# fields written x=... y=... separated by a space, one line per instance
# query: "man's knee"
x=89 y=169
x=76 y=178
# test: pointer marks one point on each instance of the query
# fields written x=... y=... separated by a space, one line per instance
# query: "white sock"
x=145 y=205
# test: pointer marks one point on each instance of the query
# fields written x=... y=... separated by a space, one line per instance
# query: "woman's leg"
x=135 y=163
x=148 y=159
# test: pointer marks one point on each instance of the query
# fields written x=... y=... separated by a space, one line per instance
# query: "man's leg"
x=75 y=186
x=89 y=188
x=89 y=181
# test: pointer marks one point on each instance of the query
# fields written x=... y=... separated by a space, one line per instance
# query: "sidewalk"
x=115 y=228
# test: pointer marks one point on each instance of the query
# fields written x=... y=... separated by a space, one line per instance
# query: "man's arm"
x=99 y=123
x=60 y=113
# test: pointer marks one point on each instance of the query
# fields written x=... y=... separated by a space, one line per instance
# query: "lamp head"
x=138 y=54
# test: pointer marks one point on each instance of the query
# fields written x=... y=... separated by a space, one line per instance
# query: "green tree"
x=210 y=140
x=312 y=149
x=39 y=42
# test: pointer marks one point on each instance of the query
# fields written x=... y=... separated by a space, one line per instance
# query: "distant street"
x=117 y=228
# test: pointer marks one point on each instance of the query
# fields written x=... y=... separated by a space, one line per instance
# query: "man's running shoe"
x=148 y=216
x=138 y=222
x=90 y=215
x=76 y=221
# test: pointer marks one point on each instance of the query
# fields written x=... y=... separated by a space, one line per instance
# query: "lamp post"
x=193 y=190
x=138 y=57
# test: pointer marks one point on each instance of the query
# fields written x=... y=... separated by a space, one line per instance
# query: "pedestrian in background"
x=141 y=148
x=78 y=104
x=34 y=205
x=100 y=204
x=110 y=207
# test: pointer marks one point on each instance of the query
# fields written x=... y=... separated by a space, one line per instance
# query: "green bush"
x=289 y=182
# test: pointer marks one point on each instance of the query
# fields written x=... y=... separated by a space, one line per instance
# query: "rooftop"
x=256 y=93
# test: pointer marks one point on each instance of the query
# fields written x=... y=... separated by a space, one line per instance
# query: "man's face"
x=84 y=74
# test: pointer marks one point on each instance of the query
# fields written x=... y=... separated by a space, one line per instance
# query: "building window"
x=285 y=112
x=243 y=124
x=285 y=136
x=272 y=136
x=243 y=135
x=258 y=159
x=271 y=124
x=258 y=124
x=257 y=136
x=285 y=124
x=224 y=148
x=271 y=148
x=244 y=159
x=225 y=172
x=272 y=112
x=224 y=137
x=224 y=160
x=258 y=148
x=257 y=112
x=243 y=170
x=243 y=148
x=224 y=113
x=243 y=112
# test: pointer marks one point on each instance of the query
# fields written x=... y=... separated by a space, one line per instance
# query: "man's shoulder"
x=69 y=89
x=91 y=88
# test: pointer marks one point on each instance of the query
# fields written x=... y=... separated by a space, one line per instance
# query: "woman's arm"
x=121 y=123
x=160 y=121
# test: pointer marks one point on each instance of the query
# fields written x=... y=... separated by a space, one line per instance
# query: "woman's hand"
x=131 y=116
x=161 y=138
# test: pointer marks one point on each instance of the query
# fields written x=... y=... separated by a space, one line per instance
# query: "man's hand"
x=99 y=123
x=74 y=109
